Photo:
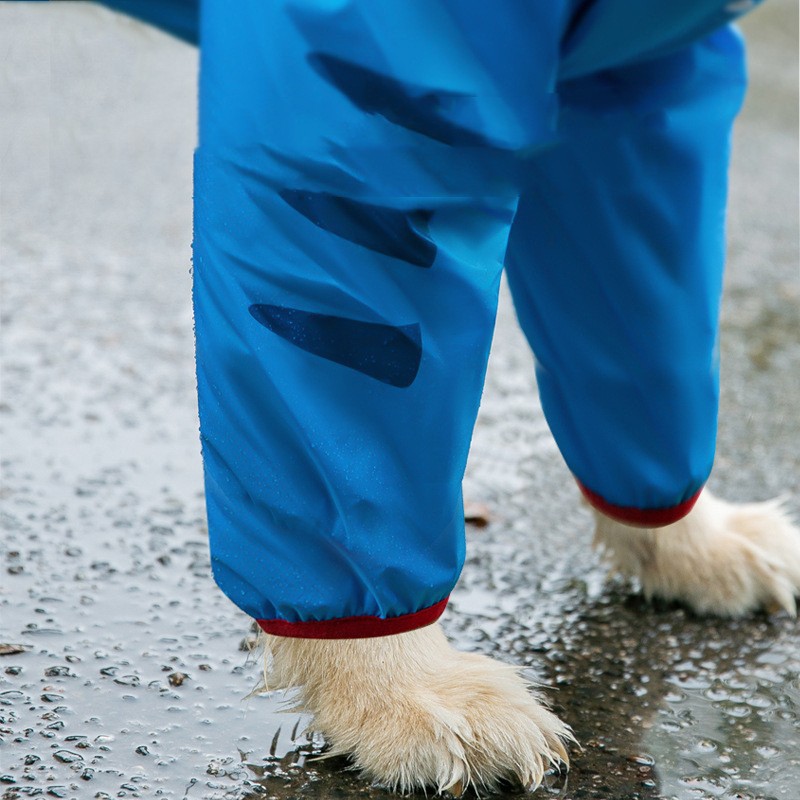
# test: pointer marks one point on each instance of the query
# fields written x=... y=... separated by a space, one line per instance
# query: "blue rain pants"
x=365 y=169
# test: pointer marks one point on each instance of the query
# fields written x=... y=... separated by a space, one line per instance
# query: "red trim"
x=642 y=517
x=353 y=627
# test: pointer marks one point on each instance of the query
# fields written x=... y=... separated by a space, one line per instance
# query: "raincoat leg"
x=352 y=206
x=615 y=261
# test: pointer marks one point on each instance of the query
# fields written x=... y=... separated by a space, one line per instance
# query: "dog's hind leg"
x=626 y=214
x=413 y=712
x=721 y=558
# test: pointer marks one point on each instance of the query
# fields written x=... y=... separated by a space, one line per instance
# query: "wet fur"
x=722 y=558
x=414 y=713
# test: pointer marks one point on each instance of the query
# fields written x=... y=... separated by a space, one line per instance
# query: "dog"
x=424 y=160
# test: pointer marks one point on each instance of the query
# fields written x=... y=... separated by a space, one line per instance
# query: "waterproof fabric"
x=365 y=168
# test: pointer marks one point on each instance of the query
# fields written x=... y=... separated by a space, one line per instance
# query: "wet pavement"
x=130 y=678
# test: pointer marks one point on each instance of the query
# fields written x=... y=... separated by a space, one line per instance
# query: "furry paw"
x=721 y=558
x=413 y=713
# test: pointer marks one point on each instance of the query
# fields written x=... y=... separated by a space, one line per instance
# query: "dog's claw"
x=457 y=789
x=783 y=597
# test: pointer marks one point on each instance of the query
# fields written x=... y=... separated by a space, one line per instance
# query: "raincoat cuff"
x=354 y=627
x=640 y=517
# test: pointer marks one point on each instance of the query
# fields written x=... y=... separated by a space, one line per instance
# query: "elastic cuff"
x=641 y=517
x=354 y=627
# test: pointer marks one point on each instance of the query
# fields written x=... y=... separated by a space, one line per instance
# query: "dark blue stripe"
x=390 y=354
x=385 y=230
x=404 y=104
x=181 y=18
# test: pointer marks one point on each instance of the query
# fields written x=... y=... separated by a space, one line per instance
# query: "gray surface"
x=106 y=576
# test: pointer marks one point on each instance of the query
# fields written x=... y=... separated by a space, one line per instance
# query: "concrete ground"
x=129 y=680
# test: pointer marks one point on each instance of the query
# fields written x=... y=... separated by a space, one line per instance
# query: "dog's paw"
x=413 y=713
x=721 y=558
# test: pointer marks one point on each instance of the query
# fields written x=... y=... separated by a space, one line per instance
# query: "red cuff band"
x=354 y=627
x=642 y=517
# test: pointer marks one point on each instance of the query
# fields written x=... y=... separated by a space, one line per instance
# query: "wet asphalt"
x=129 y=672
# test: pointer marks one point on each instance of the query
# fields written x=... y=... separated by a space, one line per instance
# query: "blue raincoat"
x=365 y=169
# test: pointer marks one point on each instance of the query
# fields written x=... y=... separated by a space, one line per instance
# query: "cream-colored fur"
x=721 y=558
x=412 y=712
